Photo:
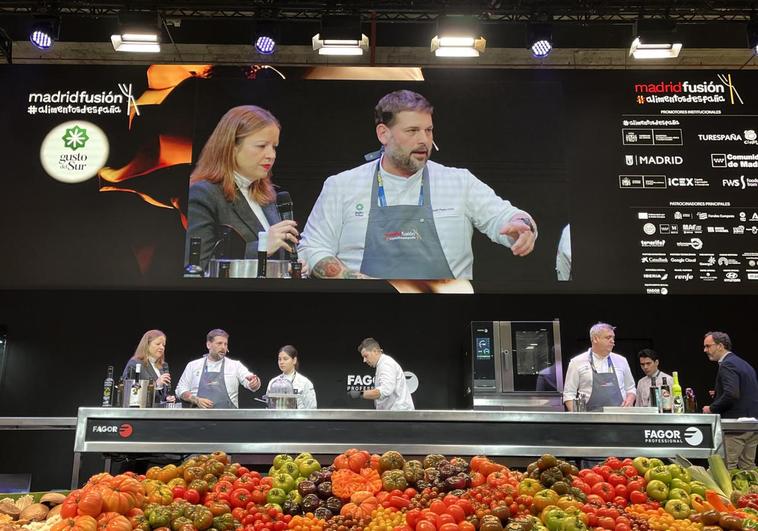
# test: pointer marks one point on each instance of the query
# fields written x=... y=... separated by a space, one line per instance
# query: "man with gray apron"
x=600 y=374
x=209 y=382
x=402 y=238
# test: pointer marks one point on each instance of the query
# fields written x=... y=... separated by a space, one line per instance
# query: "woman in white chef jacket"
x=288 y=364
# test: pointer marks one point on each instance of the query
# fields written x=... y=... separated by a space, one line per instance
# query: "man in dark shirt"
x=736 y=396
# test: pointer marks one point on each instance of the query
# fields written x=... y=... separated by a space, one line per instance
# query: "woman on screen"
x=150 y=355
x=289 y=365
x=231 y=196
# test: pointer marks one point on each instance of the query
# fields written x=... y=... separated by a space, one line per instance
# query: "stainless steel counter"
x=38 y=423
x=323 y=431
x=733 y=425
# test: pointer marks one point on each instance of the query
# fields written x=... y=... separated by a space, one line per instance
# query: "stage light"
x=655 y=39
x=137 y=33
x=539 y=39
x=458 y=36
x=265 y=45
x=44 y=33
x=340 y=35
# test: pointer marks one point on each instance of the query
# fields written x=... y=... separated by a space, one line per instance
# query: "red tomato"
x=613 y=462
x=581 y=485
x=629 y=471
x=448 y=527
x=457 y=512
x=239 y=497
x=636 y=484
x=637 y=496
x=468 y=507
x=622 y=490
x=438 y=506
x=410 y=492
x=178 y=492
x=477 y=478
x=268 y=480
x=606 y=522
x=192 y=496
x=450 y=499
x=622 y=527
x=592 y=478
x=425 y=525
x=239 y=513
x=594 y=499
x=258 y=496
x=445 y=518
x=242 y=471
x=617 y=478
x=620 y=501
x=608 y=511
x=466 y=526
x=412 y=517
x=604 y=490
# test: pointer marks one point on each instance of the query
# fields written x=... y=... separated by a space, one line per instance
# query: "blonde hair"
x=217 y=163
x=141 y=352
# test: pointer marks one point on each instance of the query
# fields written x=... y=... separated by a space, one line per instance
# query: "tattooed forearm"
x=332 y=267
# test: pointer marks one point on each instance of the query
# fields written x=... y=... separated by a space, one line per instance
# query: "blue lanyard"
x=383 y=197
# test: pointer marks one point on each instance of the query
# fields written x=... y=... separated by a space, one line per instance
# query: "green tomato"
x=678 y=471
x=697 y=487
x=291 y=468
x=553 y=519
x=307 y=466
x=654 y=462
x=573 y=523
x=661 y=473
x=280 y=459
x=657 y=490
x=678 y=509
x=302 y=456
x=679 y=494
x=642 y=464
x=283 y=481
x=295 y=497
x=677 y=483
x=276 y=495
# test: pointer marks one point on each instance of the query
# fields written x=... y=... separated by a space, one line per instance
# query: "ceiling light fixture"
x=340 y=35
x=44 y=33
x=539 y=39
x=655 y=39
x=458 y=36
x=137 y=33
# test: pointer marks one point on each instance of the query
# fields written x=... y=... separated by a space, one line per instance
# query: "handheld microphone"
x=164 y=370
x=284 y=206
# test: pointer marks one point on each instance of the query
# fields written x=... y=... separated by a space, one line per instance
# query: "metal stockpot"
x=138 y=393
x=247 y=268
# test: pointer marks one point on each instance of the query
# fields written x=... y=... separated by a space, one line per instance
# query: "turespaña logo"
x=74 y=151
x=125 y=431
x=693 y=436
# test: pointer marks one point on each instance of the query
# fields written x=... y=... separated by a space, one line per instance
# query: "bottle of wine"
x=108 y=388
x=666 y=399
x=119 y=390
x=654 y=395
x=150 y=393
x=676 y=395
x=690 y=400
x=136 y=386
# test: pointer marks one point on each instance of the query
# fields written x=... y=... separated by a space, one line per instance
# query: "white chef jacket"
x=337 y=224
x=393 y=390
x=305 y=392
x=235 y=374
x=579 y=375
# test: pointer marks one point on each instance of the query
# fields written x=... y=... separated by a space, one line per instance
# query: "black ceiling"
x=577 y=24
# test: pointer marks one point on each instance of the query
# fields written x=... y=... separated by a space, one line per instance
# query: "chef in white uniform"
x=289 y=364
x=390 y=388
x=403 y=216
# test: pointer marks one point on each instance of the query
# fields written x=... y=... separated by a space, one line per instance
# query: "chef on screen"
x=403 y=216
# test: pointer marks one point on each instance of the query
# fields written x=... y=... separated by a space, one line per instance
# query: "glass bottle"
x=108 y=388
x=666 y=398
x=690 y=400
x=677 y=400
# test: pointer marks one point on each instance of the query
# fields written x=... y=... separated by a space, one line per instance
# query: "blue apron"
x=605 y=388
x=401 y=240
x=213 y=387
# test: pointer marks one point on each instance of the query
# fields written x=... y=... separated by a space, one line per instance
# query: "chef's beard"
x=405 y=161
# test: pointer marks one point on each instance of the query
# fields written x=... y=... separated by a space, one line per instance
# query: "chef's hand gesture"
x=283 y=235
x=520 y=228
x=253 y=381
x=203 y=403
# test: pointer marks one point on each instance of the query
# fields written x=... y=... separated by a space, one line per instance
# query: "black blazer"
x=208 y=208
x=146 y=373
x=736 y=389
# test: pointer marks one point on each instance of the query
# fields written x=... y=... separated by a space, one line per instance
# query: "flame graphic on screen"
x=163 y=151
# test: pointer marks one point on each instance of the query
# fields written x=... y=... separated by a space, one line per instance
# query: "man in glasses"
x=736 y=396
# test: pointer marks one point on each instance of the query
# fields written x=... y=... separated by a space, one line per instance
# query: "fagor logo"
x=693 y=436
x=124 y=431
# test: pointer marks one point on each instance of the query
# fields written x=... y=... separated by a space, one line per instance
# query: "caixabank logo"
x=692 y=436
x=124 y=430
x=666 y=91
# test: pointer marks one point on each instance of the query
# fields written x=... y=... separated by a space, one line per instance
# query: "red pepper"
x=748 y=500
x=398 y=502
